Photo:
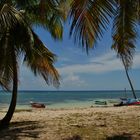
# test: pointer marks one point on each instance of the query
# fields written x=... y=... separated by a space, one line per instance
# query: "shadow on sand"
x=120 y=137
x=75 y=137
x=116 y=137
x=21 y=130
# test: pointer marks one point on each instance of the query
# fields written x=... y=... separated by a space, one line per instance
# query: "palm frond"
x=136 y=9
x=89 y=20
x=124 y=31
x=24 y=3
x=47 y=15
x=64 y=8
x=10 y=17
x=6 y=69
x=42 y=63
x=19 y=38
x=14 y=22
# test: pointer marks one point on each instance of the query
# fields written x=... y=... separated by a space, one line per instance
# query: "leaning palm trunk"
x=6 y=120
x=17 y=37
x=129 y=80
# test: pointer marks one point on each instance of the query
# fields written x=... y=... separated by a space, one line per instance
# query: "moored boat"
x=101 y=102
x=128 y=102
x=37 y=105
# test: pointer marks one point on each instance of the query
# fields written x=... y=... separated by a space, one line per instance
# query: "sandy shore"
x=100 y=123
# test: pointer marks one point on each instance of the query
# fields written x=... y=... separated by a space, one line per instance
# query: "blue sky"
x=100 y=70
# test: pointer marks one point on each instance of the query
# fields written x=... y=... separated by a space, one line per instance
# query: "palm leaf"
x=42 y=63
x=136 y=9
x=124 y=31
x=25 y=3
x=89 y=19
x=47 y=15
x=19 y=30
x=19 y=38
x=6 y=69
x=64 y=8
x=10 y=17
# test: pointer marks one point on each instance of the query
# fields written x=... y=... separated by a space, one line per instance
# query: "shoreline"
x=101 y=123
x=67 y=105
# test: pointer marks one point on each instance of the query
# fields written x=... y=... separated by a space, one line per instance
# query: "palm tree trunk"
x=6 y=120
x=129 y=80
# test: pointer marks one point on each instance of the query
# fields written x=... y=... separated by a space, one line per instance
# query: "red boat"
x=135 y=103
x=37 y=105
x=128 y=102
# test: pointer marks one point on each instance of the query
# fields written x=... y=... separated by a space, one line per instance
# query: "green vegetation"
x=91 y=19
x=18 y=38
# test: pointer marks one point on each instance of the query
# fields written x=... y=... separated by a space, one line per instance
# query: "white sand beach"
x=97 y=123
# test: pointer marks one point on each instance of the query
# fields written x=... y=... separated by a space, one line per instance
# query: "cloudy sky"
x=100 y=70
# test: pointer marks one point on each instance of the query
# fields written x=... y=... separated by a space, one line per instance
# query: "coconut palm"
x=18 y=38
x=125 y=34
x=128 y=77
x=90 y=18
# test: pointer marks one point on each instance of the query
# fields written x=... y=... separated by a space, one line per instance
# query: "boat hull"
x=37 y=105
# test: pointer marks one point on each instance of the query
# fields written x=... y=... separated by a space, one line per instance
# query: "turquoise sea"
x=64 y=99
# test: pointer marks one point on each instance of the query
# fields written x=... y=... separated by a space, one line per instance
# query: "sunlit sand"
x=74 y=124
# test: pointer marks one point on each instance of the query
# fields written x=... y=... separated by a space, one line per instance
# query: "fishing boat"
x=134 y=102
x=37 y=105
x=101 y=102
x=128 y=102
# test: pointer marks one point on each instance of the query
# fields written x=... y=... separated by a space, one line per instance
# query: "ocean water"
x=64 y=99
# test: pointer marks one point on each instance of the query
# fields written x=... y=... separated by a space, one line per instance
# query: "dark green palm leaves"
x=91 y=17
x=16 y=36
x=124 y=31
x=88 y=18
x=45 y=14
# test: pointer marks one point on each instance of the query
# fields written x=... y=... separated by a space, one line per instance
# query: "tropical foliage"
x=91 y=17
x=17 y=38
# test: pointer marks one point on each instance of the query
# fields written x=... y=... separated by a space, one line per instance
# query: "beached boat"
x=128 y=102
x=37 y=105
x=101 y=102
x=135 y=103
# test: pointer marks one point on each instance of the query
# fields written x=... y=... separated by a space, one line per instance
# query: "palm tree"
x=128 y=77
x=124 y=35
x=18 y=38
x=90 y=18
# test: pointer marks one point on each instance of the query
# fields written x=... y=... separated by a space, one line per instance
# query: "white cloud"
x=71 y=75
x=28 y=81
x=136 y=63
x=105 y=57
x=102 y=64
x=72 y=80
